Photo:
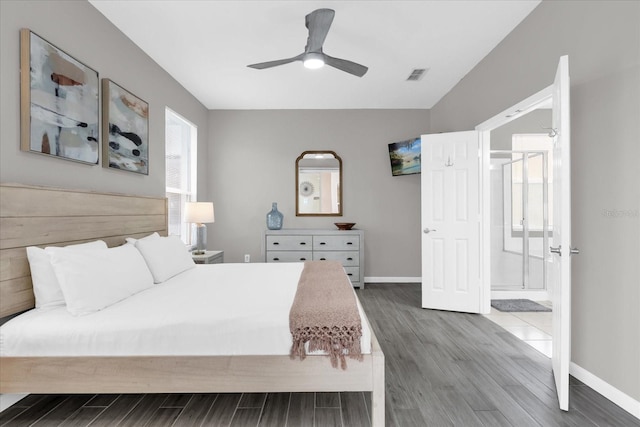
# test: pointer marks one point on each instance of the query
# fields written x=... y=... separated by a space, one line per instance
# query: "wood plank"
x=222 y=410
x=196 y=410
x=598 y=409
x=12 y=412
x=178 y=400
x=37 y=411
x=354 y=410
x=102 y=400
x=13 y=264
x=327 y=400
x=163 y=417
x=19 y=201
x=301 y=410
x=246 y=417
x=456 y=408
x=35 y=231
x=63 y=411
x=546 y=413
x=275 y=409
x=252 y=400
x=17 y=296
x=493 y=419
x=83 y=416
x=117 y=411
x=149 y=374
x=328 y=417
x=143 y=410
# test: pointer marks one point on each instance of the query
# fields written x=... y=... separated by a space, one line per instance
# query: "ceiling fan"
x=318 y=23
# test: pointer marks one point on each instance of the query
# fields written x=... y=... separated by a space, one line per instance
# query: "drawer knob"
x=275 y=243
x=303 y=243
x=276 y=259
x=349 y=274
x=303 y=259
x=323 y=259
x=349 y=243
x=349 y=259
x=322 y=243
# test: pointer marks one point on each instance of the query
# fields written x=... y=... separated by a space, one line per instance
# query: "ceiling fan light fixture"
x=313 y=61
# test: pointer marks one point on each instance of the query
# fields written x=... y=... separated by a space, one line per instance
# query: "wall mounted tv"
x=405 y=157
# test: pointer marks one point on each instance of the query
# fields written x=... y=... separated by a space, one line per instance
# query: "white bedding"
x=196 y=312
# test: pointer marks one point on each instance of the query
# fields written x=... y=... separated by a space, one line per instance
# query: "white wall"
x=602 y=39
x=252 y=163
x=80 y=30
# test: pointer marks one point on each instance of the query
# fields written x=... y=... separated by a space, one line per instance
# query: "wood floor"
x=442 y=369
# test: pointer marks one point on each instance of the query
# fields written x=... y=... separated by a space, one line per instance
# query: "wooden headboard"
x=41 y=216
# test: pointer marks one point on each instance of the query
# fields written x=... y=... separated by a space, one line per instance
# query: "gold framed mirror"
x=318 y=184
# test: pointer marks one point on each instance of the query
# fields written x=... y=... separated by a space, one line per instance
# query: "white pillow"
x=133 y=241
x=91 y=281
x=45 y=284
x=165 y=256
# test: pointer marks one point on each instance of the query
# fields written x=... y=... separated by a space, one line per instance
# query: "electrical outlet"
x=247 y=258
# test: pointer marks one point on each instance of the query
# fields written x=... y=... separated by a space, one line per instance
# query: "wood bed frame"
x=40 y=216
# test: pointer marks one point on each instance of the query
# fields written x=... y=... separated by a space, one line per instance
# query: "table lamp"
x=199 y=213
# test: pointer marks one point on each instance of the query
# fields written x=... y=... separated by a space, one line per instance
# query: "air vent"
x=417 y=74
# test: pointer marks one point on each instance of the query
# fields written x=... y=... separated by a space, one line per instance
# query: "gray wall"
x=602 y=39
x=252 y=163
x=80 y=30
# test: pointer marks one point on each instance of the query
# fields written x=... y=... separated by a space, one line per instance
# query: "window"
x=181 y=149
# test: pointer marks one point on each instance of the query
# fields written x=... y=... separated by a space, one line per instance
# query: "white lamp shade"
x=199 y=212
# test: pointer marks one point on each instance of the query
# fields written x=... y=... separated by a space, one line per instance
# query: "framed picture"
x=59 y=102
x=125 y=129
x=405 y=157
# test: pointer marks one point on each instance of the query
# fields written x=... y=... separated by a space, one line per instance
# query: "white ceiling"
x=206 y=45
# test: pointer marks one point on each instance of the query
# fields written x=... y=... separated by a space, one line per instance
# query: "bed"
x=54 y=217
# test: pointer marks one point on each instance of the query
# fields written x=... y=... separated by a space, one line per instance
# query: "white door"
x=560 y=260
x=450 y=221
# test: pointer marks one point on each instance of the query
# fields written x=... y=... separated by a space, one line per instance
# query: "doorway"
x=521 y=224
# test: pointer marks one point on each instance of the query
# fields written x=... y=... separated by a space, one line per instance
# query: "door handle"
x=427 y=231
x=574 y=251
x=557 y=250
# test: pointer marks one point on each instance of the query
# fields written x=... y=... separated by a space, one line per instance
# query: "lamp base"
x=201 y=239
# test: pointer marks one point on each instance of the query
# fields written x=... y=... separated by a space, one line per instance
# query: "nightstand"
x=209 y=257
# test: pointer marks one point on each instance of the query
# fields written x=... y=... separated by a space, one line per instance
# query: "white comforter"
x=218 y=309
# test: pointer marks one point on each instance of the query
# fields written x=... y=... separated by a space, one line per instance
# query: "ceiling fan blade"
x=263 y=65
x=346 y=66
x=318 y=22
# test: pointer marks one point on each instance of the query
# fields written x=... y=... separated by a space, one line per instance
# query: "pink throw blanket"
x=325 y=314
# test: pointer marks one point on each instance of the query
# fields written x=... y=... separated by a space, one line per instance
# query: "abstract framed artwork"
x=125 y=129
x=59 y=102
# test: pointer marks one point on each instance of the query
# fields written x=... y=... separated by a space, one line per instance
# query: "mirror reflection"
x=318 y=184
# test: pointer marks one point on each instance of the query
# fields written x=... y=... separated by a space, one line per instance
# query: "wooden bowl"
x=344 y=225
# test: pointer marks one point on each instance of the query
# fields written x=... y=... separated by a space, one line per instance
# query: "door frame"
x=541 y=98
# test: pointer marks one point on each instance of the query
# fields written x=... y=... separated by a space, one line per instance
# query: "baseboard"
x=7 y=400
x=524 y=294
x=392 y=279
x=618 y=397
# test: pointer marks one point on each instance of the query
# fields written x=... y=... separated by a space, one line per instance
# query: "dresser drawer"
x=289 y=256
x=347 y=258
x=354 y=274
x=336 y=243
x=289 y=243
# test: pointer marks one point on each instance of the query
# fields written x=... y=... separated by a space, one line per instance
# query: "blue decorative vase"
x=274 y=218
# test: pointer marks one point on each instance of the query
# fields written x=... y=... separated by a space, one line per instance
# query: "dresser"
x=299 y=245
